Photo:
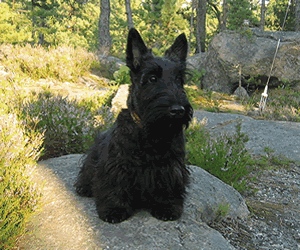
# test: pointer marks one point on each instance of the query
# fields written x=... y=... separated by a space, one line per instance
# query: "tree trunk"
x=201 y=23
x=297 y=15
x=191 y=26
x=104 y=35
x=224 y=16
x=129 y=14
x=262 y=15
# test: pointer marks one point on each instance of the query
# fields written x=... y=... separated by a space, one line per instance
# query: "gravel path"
x=275 y=220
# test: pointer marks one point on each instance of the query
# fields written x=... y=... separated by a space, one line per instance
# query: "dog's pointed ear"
x=178 y=50
x=136 y=49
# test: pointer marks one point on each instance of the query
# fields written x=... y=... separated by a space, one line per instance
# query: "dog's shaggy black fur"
x=139 y=162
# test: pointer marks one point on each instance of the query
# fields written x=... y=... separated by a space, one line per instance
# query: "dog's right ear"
x=136 y=49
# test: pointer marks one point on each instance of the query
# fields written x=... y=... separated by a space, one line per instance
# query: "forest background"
x=78 y=22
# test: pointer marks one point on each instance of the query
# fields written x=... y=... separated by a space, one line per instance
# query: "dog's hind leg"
x=83 y=183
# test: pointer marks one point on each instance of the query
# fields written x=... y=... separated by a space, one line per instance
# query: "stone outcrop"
x=228 y=50
x=68 y=221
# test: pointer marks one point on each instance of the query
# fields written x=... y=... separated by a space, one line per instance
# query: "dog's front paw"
x=115 y=215
x=167 y=214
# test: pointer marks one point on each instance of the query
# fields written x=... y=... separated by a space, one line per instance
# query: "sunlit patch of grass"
x=62 y=63
x=282 y=104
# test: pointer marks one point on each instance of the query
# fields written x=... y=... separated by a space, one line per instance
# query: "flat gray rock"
x=68 y=221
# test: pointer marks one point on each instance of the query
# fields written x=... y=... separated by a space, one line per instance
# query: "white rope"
x=264 y=95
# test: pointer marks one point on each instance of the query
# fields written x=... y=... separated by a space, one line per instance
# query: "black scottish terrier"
x=139 y=162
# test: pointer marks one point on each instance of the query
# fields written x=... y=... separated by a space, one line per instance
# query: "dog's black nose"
x=177 y=111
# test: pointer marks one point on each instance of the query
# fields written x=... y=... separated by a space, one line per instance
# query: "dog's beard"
x=162 y=126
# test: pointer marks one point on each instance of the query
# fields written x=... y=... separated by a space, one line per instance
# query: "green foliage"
x=29 y=122
x=122 y=76
x=225 y=156
x=158 y=27
x=275 y=15
x=62 y=63
x=19 y=148
x=70 y=23
x=222 y=211
x=194 y=77
x=240 y=10
x=14 y=27
x=202 y=99
x=51 y=22
x=75 y=23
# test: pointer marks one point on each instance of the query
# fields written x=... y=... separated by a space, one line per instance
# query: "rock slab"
x=281 y=136
x=68 y=221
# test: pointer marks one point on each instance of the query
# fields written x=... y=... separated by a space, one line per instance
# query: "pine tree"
x=239 y=10
x=201 y=25
x=297 y=15
x=104 y=34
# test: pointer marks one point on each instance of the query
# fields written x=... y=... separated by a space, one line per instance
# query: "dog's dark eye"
x=153 y=79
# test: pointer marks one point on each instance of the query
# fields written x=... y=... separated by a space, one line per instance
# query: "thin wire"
x=264 y=96
x=285 y=17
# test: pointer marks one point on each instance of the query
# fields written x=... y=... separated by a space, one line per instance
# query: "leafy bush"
x=194 y=76
x=19 y=197
x=159 y=24
x=69 y=126
x=122 y=76
x=224 y=157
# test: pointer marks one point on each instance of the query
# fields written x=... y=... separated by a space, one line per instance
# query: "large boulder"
x=254 y=53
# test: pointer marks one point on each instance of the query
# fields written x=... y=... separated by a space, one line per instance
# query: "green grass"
x=282 y=104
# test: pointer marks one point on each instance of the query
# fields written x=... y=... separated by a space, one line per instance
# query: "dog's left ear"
x=178 y=51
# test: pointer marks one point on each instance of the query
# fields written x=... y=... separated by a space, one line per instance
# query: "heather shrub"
x=19 y=149
x=69 y=125
x=223 y=156
x=62 y=63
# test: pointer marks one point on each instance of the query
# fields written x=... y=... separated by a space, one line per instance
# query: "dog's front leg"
x=112 y=194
